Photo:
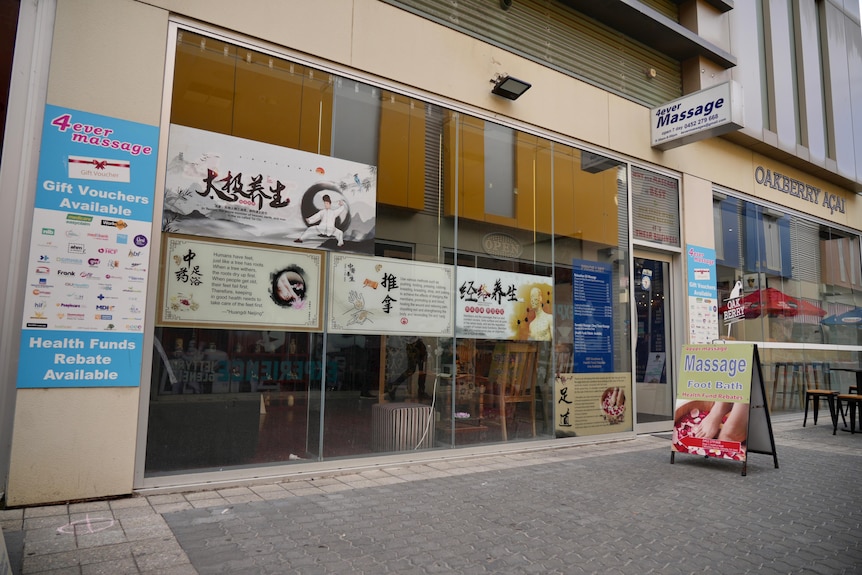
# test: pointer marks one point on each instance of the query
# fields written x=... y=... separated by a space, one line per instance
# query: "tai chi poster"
x=218 y=185
x=713 y=400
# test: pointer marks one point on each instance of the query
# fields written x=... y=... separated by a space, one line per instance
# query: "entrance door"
x=654 y=358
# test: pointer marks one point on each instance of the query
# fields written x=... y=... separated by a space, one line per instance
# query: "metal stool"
x=794 y=376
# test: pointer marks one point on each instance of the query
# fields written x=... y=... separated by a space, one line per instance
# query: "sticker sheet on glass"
x=89 y=250
x=702 y=295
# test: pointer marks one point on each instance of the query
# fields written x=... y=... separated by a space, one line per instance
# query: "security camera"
x=506 y=4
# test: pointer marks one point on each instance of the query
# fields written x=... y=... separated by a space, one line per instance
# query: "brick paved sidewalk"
x=603 y=508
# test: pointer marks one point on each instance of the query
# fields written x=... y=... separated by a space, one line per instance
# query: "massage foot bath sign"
x=719 y=396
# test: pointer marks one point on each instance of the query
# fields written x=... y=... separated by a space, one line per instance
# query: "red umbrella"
x=773 y=302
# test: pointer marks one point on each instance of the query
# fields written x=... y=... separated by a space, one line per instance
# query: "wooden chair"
x=563 y=358
x=512 y=381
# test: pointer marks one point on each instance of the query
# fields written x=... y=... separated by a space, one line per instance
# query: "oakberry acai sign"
x=710 y=112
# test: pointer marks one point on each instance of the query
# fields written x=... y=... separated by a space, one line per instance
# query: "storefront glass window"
x=349 y=271
x=800 y=286
x=655 y=208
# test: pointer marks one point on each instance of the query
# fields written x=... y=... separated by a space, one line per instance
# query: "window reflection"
x=801 y=284
x=454 y=191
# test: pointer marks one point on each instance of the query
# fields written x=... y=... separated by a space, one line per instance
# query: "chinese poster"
x=592 y=403
x=712 y=403
x=245 y=190
x=219 y=283
x=89 y=250
x=503 y=305
x=389 y=296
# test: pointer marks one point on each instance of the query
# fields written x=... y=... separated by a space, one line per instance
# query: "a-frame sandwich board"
x=725 y=380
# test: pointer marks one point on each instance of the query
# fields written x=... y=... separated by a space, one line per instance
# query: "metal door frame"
x=675 y=314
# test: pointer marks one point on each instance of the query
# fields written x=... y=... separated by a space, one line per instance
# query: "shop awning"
x=773 y=302
x=852 y=317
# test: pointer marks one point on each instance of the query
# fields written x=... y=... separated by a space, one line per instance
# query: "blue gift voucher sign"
x=83 y=317
x=702 y=295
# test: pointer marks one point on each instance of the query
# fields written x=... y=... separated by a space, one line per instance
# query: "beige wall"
x=72 y=444
x=362 y=34
x=107 y=58
x=697 y=222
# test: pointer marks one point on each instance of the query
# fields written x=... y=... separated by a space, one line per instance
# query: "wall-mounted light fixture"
x=509 y=87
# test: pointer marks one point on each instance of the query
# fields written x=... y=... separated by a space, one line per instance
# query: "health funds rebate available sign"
x=713 y=397
x=89 y=250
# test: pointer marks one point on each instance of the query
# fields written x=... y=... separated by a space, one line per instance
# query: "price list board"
x=593 y=317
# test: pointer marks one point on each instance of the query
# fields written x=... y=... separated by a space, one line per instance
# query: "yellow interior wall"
x=416 y=159
x=595 y=205
x=565 y=208
x=203 y=95
x=401 y=157
x=267 y=99
x=553 y=193
x=247 y=94
x=468 y=155
x=315 y=132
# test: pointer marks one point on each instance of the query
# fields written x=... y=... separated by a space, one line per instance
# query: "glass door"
x=654 y=361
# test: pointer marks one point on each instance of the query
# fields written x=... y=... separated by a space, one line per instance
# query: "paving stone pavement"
x=617 y=508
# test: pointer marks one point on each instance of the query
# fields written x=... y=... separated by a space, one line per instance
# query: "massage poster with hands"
x=713 y=400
